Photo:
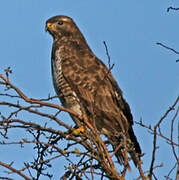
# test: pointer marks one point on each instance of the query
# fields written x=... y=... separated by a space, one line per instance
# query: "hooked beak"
x=48 y=26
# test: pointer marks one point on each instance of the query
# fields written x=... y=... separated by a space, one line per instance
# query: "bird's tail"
x=131 y=145
x=135 y=153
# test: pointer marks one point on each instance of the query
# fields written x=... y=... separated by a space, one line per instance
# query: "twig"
x=5 y=178
x=108 y=56
x=155 y=136
x=158 y=134
x=167 y=47
x=147 y=172
x=90 y=139
x=35 y=101
x=15 y=171
x=172 y=124
x=172 y=8
x=167 y=177
x=28 y=108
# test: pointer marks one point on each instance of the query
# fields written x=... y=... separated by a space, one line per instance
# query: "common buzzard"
x=85 y=85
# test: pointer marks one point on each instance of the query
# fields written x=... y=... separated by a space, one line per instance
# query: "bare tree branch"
x=160 y=44
x=155 y=136
x=14 y=170
x=89 y=139
x=172 y=8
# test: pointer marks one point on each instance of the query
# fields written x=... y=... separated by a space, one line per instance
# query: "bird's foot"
x=79 y=130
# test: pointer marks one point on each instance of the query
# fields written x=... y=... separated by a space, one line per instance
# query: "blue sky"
x=148 y=74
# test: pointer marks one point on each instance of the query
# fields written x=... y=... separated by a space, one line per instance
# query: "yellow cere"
x=49 y=24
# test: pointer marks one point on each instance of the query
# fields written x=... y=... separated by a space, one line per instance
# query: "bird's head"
x=60 y=26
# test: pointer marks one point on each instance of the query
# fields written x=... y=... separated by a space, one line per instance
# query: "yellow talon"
x=79 y=130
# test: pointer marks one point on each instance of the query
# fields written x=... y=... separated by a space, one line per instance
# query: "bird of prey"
x=85 y=85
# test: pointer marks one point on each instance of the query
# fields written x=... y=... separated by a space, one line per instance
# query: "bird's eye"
x=60 y=22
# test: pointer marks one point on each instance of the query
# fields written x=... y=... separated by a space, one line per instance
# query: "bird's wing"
x=97 y=90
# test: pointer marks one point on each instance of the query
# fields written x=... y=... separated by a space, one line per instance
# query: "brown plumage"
x=85 y=85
